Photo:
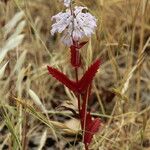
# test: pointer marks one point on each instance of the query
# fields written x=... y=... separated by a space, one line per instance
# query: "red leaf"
x=78 y=46
x=62 y=78
x=83 y=83
x=75 y=57
x=75 y=54
x=81 y=44
x=87 y=78
x=91 y=127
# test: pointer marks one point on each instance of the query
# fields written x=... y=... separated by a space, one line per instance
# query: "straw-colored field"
x=31 y=112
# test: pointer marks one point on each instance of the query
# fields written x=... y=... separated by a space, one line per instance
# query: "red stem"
x=76 y=74
x=85 y=112
x=78 y=96
x=86 y=147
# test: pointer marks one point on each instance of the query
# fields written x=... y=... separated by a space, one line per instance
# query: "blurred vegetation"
x=31 y=100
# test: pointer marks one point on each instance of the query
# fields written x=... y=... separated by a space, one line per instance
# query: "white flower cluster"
x=74 y=24
x=67 y=3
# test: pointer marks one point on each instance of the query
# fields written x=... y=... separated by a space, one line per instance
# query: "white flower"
x=67 y=3
x=74 y=26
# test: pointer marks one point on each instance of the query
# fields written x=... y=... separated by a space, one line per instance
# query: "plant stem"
x=24 y=138
x=85 y=116
x=138 y=94
x=78 y=96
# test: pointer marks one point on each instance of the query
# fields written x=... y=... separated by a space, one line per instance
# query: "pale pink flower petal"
x=81 y=24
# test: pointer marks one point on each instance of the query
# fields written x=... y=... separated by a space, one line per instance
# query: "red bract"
x=78 y=46
x=75 y=57
x=62 y=78
x=78 y=87
x=88 y=76
x=82 y=89
x=91 y=127
x=75 y=54
x=81 y=45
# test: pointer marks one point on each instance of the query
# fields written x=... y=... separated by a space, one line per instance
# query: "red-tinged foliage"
x=81 y=44
x=75 y=57
x=91 y=127
x=63 y=78
x=83 y=87
x=88 y=76
x=75 y=54
x=83 y=84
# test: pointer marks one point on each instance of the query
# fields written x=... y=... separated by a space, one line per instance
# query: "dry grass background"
x=30 y=100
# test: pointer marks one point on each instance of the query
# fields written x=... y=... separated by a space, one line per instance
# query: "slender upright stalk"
x=75 y=19
x=78 y=96
x=25 y=130
x=85 y=116
x=139 y=55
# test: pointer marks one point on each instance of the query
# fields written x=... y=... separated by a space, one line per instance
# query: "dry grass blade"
x=20 y=72
x=12 y=130
x=43 y=139
x=2 y=70
x=20 y=62
x=19 y=82
x=11 y=43
x=42 y=118
x=130 y=74
x=19 y=28
x=12 y=23
x=37 y=100
x=5 y=141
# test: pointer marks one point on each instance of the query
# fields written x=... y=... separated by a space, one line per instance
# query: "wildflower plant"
x=75 y=24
